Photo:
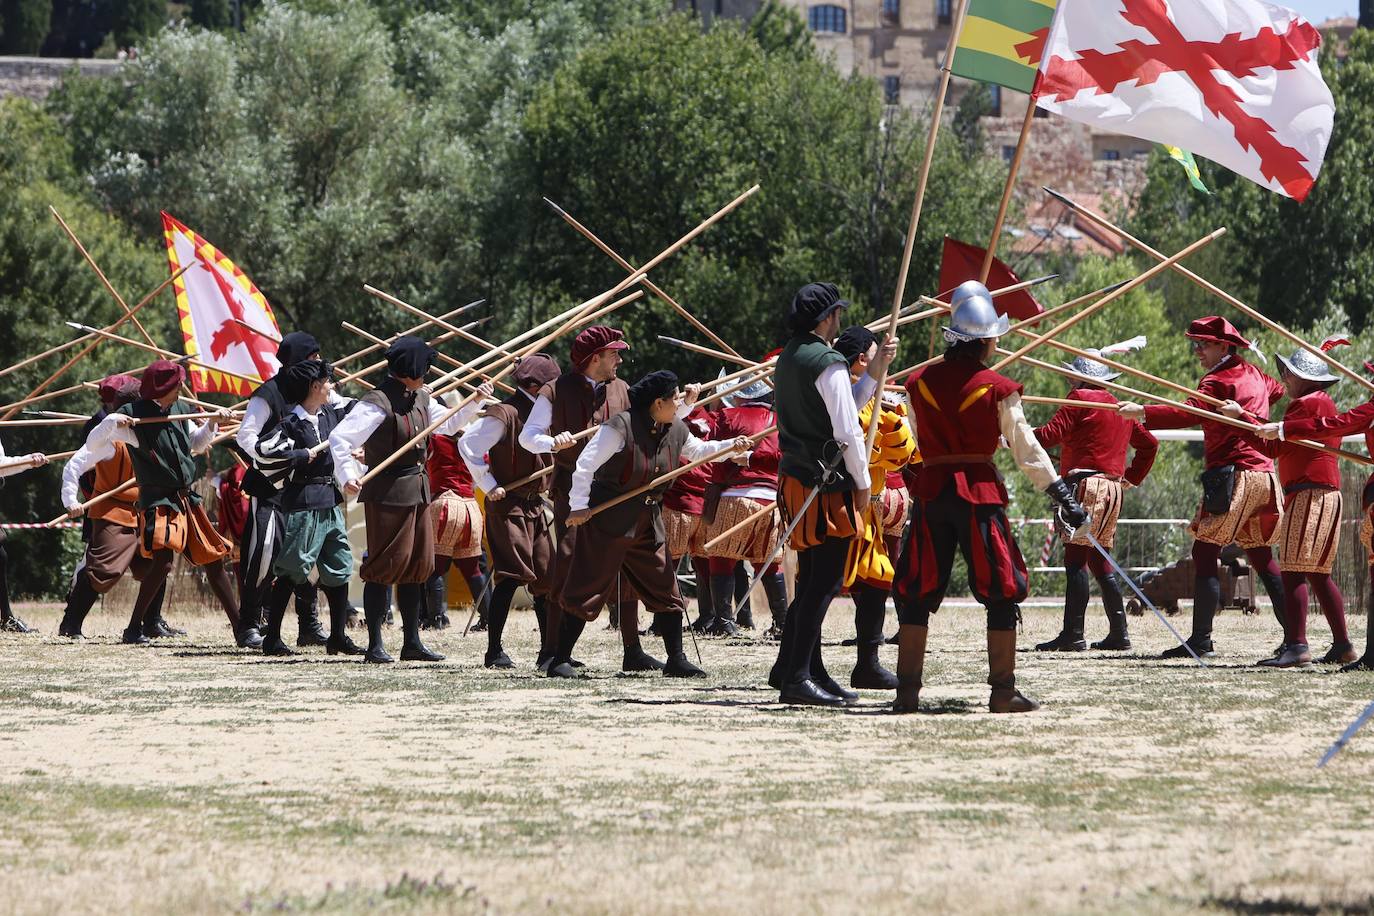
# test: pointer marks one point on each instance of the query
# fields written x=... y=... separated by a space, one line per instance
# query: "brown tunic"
x=400 y=532
x=628 y=538
x=517 y=529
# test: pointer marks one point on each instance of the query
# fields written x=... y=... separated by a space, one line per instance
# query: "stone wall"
x=35 y=77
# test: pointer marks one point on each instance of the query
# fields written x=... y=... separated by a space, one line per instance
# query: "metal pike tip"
x=1059 y=197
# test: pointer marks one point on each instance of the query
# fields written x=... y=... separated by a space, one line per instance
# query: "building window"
x=892 y=12
x=826 y=18
x=995 y=97
x=944 y=13
x=892 y=89
x=1111 y=155
x=1008 y=152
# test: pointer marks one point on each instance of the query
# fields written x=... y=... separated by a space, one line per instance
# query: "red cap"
x=118 y=388
x=593 y=340
x=161 y=378
x=1217 y=330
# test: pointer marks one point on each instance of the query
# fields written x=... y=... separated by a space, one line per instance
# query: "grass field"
x=193 y=777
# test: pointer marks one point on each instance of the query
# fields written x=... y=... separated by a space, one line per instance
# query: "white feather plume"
x=1125 y=346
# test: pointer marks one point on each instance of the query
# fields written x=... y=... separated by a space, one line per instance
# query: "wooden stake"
x=1109 y=298
x=1212 y=288
x=1007 y=191
x=77 y=421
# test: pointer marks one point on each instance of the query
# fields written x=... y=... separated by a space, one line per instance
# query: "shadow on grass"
x=941 y=707
x=1287 y=907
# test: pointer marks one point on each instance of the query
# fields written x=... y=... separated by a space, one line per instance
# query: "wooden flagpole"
x=1007 y=191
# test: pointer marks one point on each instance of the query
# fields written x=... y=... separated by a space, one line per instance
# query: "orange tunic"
x=120 y=509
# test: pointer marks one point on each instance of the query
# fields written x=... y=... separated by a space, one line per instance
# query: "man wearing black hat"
x=295 y=459
x=263 y=532
x=517 y=532
x=631 y=449
x=400 y=531
x=817 y=417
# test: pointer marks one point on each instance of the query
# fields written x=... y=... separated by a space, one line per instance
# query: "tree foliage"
x=23 y=25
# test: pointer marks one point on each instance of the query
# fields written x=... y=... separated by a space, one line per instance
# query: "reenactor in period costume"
x=962 y=410
x=1094 y=445
x=823 y=449
x=584 y=395
x=458 y=531
x=263 y=527
x=516 y=525
x=739 y=488
x=112 y=544
x=400 y=529
x=1241 y=497
x=630 y=450
x=296 y=460
x=1311 y=530
x=9 y=621
x=868 y=569
x=170 y=518
x=683 y=525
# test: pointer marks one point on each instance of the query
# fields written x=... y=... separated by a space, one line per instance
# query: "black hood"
x=296 y=347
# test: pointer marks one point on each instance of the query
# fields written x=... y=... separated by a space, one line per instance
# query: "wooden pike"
x=1007 y=190
x=670 y=476
x=77 y=421
x=105 y=281
x=1068 y=402
x=647 y=283
x=1212 y=288
x=588 y=307
x=909 y=318
x=93 y=501
x=1187 y=408
x=352 y=328
x=730 y=532
x=373 y=348
x=96 y=340
x=381 y=364
x=165 y=354
x=1109 y=298
x=452 y=329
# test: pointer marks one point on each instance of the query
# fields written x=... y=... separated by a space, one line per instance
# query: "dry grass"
x=192 y=777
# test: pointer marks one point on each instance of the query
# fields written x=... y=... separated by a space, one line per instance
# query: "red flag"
x=962 y=261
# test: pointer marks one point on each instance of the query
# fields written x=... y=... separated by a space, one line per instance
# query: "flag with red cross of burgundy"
x=1235 y=81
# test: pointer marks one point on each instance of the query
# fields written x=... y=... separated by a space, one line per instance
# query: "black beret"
x=812 y=303
x=655 y=385
x=409 y=357
x=854 y=342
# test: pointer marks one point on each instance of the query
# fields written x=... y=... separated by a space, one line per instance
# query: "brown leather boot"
x=911 y=659
x=1002 y=674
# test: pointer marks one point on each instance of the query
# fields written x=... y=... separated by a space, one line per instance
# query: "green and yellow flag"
x=1002 y=41
x=1185 y=159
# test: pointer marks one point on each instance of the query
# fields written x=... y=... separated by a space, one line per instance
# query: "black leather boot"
x=338 y=642
x=706 y=604
x=277 y=600
x=481 y=596
x=410 y=597
x=1070 y=638
x=374 y=611
x=80 y=600
x=1207 y=595
x=1118 y=634
x=775 y=587
x=308 y=630
x=436 y=603
x=723 y=609
x=560 y=663
x=870 y=610
x=677 y=664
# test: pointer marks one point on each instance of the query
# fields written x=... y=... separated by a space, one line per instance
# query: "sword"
x=1116 y=567
x=1344 y=739
x=827 y=475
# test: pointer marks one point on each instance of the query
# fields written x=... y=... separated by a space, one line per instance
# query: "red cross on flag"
x=1233 y=80
x=225 y=322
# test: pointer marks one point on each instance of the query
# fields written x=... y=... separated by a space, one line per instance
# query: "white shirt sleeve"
x=837 y=392
x=254 y=419
x=1030 y=455
x=606 y=442
x=695 y=449
x=202 y=437
x=335 y=400
x=362 y=421
x=863 y=389
x=478 y=439
x=534 y=437
x=438 y=410
x=107 y=431
x=84 y=459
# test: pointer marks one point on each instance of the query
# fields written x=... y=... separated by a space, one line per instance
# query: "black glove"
x=1070 y=513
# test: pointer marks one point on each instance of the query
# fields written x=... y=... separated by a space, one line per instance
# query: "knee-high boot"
x=338 y=642
x=308 y=629
x=1366 y=661
x=677 y=665
x=1118 y=634
x=410 y=597
x=706 y=601
x=1077 y=592
x=436 y=603
x=80 y=600
x=723 y=606
x=277 y=599
x=775 y=588
x=374 y=610
x=1002 y=674
x=870 y=609
x=499 y=611
x=560 y=664
x=1206 y=598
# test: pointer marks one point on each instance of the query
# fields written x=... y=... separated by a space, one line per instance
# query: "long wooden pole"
x=166 y=354
x=647 y=283
x=99 y=498
x=101 y=274
x=1109 y=298
x=922 y=178
x=365 y=351
x=586 y=308
x=76 y=421
x=354 y=329
x=1007 y=192
x=728 y=533
x=672 y=475
x=96 y=340
x=357 y=376
x=1186 y=408
x=452 y=329
x=1212 y=288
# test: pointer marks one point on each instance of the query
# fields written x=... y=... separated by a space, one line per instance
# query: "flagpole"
x=921 y=181
x=1007 y=191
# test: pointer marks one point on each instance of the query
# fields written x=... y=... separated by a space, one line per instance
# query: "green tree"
x=781 y=30
x=23 y=25
x=134 y=21
x=212 y=14
x=968 y=118
x=1293 y=261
